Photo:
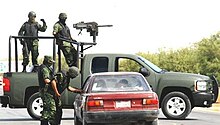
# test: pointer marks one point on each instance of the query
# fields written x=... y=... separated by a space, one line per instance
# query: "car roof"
x=115 y=73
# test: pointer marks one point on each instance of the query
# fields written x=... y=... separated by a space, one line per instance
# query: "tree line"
x=202 y=57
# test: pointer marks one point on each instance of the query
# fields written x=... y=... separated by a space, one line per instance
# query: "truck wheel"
x=176 y=105
x=35 y=106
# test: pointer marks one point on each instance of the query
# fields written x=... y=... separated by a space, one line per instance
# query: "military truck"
x=178 y=92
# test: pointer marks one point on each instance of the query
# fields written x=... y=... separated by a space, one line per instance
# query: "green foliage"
x=202 y=58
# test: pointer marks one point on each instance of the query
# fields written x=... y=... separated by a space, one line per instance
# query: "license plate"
x=123 y=104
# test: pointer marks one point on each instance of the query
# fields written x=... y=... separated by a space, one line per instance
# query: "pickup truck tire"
x=35 y=106
x=176 y=105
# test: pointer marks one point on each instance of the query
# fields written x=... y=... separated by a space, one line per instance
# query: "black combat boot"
x=35 y=69
x=24 y=69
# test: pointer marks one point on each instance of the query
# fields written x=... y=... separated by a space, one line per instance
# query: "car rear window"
x=108 y=83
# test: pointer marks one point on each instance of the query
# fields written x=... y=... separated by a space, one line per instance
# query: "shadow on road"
x=179 y=120
x=29 y=119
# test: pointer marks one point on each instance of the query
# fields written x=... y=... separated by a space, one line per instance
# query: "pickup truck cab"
x=178 y=92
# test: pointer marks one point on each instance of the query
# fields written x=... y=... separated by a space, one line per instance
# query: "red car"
x=116 y=97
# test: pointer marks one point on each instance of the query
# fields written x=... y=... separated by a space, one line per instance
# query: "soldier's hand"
x=42 y=20
x=79 y=91
x=57 y=94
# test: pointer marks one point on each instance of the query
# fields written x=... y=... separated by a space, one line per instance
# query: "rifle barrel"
x=104 y=25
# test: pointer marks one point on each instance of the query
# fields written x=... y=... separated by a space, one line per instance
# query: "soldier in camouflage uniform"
x=63 y=80
x=48 y=91
x=61 y=30
x=31 y=28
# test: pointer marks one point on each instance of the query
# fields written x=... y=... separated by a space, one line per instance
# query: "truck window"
x=100 y=64
x=126 y=64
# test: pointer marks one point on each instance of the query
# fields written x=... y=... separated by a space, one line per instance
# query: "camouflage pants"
x=52 y=110
x=70 y=55
x=32 y=46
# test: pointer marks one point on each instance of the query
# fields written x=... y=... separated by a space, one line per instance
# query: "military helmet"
x=31 y=14
x=73 y=72
x=62 y=16
x=48 y=59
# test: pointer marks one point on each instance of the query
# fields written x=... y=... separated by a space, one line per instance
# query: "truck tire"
x=176 y=105
x=35 y=106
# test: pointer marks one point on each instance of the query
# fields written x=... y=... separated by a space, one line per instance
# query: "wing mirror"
x=144 y=72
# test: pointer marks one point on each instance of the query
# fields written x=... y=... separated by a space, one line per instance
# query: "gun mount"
x=91 y=27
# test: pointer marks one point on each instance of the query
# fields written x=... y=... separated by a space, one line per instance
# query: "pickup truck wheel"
x=176 y=105
x=35 y=106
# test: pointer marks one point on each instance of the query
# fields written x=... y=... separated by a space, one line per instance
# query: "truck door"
x=132 y=65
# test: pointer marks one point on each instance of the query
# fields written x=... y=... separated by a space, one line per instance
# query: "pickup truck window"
x=100 y=64
x=122 y=65
x=150 y=64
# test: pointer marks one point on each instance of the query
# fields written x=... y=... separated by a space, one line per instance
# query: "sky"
x=138 y=25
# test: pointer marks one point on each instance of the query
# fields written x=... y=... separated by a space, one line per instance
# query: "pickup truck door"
x=134 y=66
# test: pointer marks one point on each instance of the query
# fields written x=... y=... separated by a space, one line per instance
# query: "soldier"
x=63 y=80
x=31 y=28
x=61 y=30
x=48 y=91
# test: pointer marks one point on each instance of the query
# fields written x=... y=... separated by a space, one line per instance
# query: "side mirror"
x=144 y=72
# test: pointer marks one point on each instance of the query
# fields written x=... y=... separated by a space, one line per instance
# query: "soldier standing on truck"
x=31 y=28
x=63 y=80
x=61 y=30
x=48 y=91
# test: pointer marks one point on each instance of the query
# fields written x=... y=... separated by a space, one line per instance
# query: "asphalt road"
x=198 y=116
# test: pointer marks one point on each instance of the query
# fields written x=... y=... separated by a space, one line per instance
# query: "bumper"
x=122 y=116
x=203 y=99
x=4 y=100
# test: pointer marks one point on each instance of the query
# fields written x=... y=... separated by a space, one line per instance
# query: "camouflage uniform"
x=47 y=94
x=63 y=80
x=31 y=28
x=61 y=30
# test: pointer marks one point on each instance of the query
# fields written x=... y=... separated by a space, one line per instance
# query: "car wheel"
x=176 y=105
x=35 y=106
x=76 y=120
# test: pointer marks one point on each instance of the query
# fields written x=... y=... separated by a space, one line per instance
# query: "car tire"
x=76 y=120
x=176 y=105
x=35 y=106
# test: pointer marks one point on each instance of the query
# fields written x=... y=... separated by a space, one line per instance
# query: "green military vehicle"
x=178 y=92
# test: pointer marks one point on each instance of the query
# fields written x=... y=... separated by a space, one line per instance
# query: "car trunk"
x=119 y=101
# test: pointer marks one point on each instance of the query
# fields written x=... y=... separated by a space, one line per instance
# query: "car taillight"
x=95 y=103
x=6 y=84
x=150 y=101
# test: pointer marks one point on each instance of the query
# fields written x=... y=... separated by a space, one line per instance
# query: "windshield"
x=110 y=83
x=150 y=64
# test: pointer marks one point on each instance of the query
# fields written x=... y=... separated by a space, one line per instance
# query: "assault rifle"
x=91 y=27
